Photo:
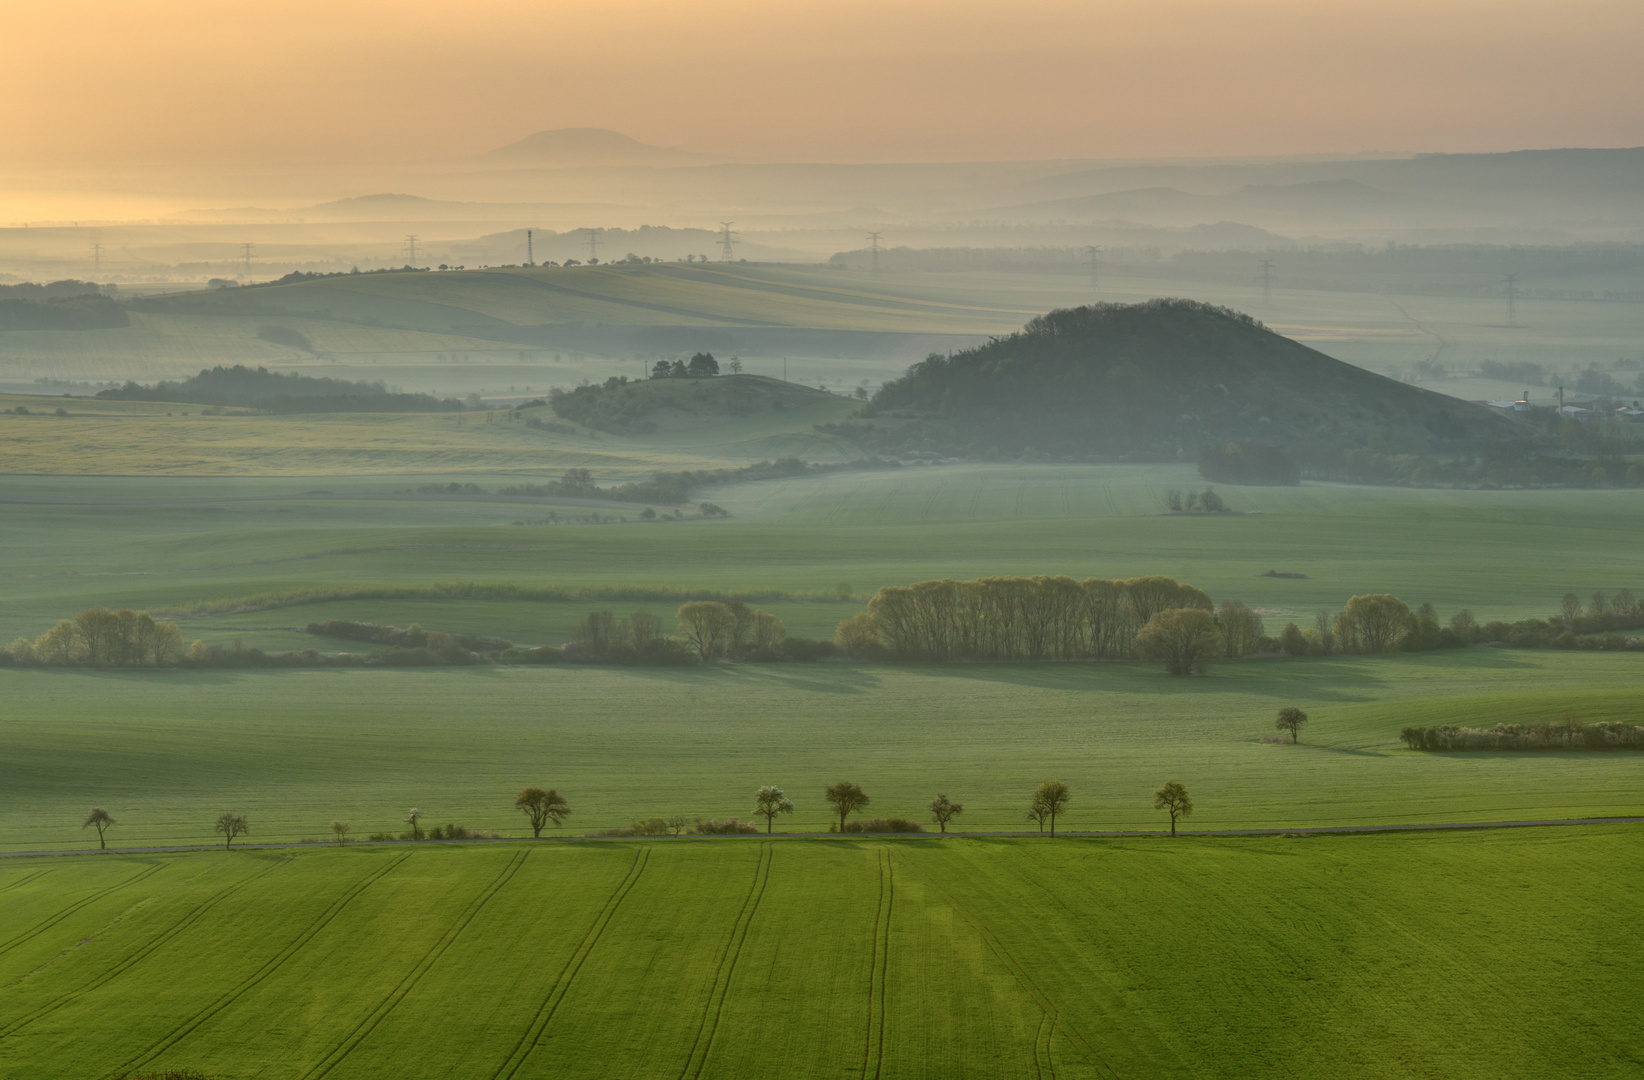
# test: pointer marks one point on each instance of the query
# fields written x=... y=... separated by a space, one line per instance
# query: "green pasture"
x=165 y=752
x=1387 y=956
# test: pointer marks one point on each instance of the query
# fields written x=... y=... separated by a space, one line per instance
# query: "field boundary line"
x=873 y=1055
x=52 y=920
x=273 y=963
x=562 y=985
x=726 y=967
x=369 y=1022
x=142 y=952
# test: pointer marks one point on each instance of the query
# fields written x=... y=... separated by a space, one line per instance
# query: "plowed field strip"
x=545 y=1012
x=224 y=1000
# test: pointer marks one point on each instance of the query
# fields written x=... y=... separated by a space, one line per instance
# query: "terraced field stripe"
x=387 y=1005
x=224 y=1000
x=24 y=880
x=556 y=994
x=873 y=1056
x=726 y=967
x=189 y=919
x=52 y=920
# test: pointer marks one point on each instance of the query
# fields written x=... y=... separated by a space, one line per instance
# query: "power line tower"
x=1511 y=281
x=97 y=258
x=1267 y=281
x=726 y=239
x=593 y=244
x=246 y=251
x=530 y=254
x=873 y=250
x=1091 y=254
x=411 y=250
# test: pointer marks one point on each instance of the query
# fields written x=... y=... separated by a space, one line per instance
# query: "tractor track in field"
x=188 y=919
x=873 y=1054
x=728 y=957
x=1042 y=1065
x=20 y=882
x=269 y=966
x=52 y=920
x=376 y=1016
x=556 y=994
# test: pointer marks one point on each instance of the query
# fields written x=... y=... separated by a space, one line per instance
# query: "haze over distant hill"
x=587 y=146
x=1159 y=380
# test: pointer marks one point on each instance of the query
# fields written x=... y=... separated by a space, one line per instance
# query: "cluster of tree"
x=1501 y=464
x=1247 y=463
x=66 y=289
x=1568 y=733
x=1196 y=502
x=259 y=388
x=98 y=637
x=675 y=487
x=1013 y=618
x=713 y=630
x=701 y=366
x=1380 y=622
x=92 y=312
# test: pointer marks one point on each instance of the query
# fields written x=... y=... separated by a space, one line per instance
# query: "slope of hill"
x=1158 y=380
x=638 y=408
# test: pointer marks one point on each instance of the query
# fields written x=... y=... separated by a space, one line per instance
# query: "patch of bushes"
x=714 y=827
x=669 y=826
x=412 y=637
x=1566 y=734
x=883 y=825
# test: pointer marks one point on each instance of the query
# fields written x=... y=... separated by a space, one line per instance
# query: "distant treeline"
x=1247 y=463
x=76 y=312
x=413 y=636
x=480 y=590
x=1503 y=465
x=98 y=637
x=675 y=487
x=259 y=388
x=1566 y=734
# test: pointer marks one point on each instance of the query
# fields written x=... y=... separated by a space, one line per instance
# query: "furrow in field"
x=20 y=882
x=728 y=957
x=223 y=1001
x=550 y=1004
x=52 y=920
x=1042 y=1065
x=873 y=1056
x=189 y=919
x=369 y=1023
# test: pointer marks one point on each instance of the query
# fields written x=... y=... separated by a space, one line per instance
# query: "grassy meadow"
x=1359 y=956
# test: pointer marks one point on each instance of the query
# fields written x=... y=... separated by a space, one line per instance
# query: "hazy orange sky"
x=168 y=83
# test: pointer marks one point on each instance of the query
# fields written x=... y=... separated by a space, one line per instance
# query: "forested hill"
x=1159 y=380
x=259 y=388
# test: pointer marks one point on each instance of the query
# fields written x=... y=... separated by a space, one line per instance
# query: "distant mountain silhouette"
x=587 y=146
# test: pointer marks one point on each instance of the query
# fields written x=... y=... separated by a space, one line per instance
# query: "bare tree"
x=341 y=829
x=230 y=826
x=1052 y=795
x=770 y=802
x=944 y=810
x=1039 y=812
x=1291 y=719
x=541 y=807
x=412 y=818
x=847 y=798
x=103 y=820
x=1173 y=797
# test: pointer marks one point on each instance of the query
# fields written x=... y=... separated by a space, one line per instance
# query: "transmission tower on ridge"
x=246 y=251
x=1267 y=281
x=1511 y=281
x=411 y=250
x=97 y=258
x=726 y=239
x=873 y=250
x=1091 y=254
x=530 y=255
x=593 y=244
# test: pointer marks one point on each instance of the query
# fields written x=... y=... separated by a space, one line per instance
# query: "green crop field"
x=1489 y=956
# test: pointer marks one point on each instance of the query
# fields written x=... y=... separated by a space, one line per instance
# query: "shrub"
x=883 y=825
x=1568 y=733
x=713 y=827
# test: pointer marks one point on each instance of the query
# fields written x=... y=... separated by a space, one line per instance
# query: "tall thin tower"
x=593 y=244
x=1511 y=281
x=1091 y=254
x=726 y=239
x=97 y=258
x=1267 y=281
x=411 y=250
x=530 y=254
x=246 y=251
x=873 y=250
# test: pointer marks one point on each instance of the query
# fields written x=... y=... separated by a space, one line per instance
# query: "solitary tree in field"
x=1186 y=639
x=413 y=818
x=1173 y=797
x=102 y=819
x=847 y=798
x=341 y=829
x=1291 y=719
x=944 y=810
x=1052 y=796
x=232 y=825
x=541 y=807
x=770 y=801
